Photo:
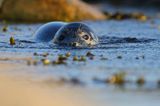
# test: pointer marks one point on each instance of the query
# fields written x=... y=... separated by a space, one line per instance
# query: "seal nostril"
x=74 y=44
x=86 y=37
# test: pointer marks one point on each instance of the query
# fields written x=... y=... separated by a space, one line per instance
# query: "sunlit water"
x=129 y=39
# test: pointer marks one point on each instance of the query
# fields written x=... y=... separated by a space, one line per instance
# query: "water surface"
x=136 y=42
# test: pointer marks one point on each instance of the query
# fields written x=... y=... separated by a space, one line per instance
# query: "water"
x=136 y=42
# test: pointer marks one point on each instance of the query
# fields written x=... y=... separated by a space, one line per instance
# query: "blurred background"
x=71 y=10
x=129 y=2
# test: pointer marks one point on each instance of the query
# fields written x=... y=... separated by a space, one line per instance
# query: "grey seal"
x=72 y=34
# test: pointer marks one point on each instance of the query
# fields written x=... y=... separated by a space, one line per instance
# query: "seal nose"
x=75 y=44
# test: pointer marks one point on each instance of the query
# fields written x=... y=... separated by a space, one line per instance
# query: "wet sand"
x=20 y=91
x=14 y=92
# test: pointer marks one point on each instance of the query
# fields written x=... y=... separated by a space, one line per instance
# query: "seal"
x=73 y=34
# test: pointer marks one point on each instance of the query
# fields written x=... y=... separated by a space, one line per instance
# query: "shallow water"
x=129 y=39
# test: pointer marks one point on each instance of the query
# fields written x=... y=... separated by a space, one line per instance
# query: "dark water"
x=138 y=43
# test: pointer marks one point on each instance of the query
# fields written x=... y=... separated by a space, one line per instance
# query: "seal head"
x=75 y=34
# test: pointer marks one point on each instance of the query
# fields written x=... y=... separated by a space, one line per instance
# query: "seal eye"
x=86 y=37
